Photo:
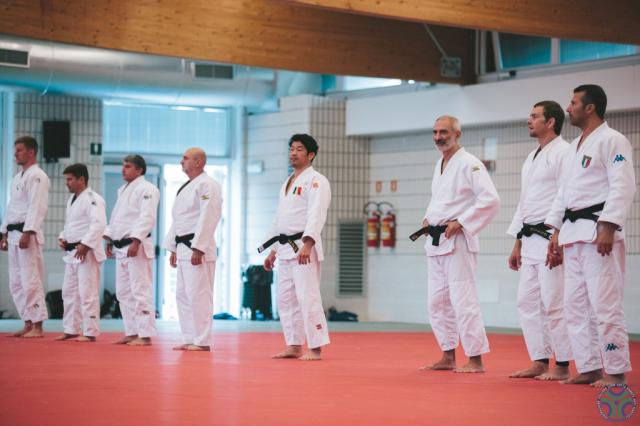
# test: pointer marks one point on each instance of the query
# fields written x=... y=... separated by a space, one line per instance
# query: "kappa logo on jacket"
x=586 y=160
x=620 y=158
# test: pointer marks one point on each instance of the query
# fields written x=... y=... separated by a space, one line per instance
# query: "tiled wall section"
x=85 y=116
x=397 y=277
x=344 y=161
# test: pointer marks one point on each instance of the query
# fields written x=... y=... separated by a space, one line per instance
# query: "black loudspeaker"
x=56 y=140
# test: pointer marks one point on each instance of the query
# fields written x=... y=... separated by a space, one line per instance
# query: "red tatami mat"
x=365 y=379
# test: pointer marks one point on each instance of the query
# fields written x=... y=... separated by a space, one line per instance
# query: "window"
x=518 y=51
x=577 y=51
x=165 y=130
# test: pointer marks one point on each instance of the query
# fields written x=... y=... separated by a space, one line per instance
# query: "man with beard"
x=589 y=214
x=541 y=289
x=463 y=202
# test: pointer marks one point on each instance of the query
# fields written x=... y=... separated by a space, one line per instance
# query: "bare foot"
x=440 y=365
x=473 y=366
x=140 y=341
x=447 y=362
x=583 y=378
x=609 y=379
x=66 y=336
x=558 y=373
x=28 y=325
x=196 y=348
x=537 y=369
x=126 y=339
x=84 y=339
x=312 y=355
x=290 y=352
x=181 y=347
x=34 y=333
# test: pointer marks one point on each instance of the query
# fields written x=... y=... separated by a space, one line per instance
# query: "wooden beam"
x=265 y=33
x=614 y=21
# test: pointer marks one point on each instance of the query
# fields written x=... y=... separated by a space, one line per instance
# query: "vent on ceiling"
x=14 y=58
x=351 y=256
x=224 y=72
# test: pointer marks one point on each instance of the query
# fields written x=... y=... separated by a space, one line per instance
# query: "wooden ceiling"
x=616 y=21
x=367 y=37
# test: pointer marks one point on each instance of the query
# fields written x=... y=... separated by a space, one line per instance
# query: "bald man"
x=191 y=241
x=463 y=201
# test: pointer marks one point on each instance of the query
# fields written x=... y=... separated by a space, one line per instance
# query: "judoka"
x=295 y=234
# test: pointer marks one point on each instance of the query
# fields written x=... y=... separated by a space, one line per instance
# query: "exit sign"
x=96 y=149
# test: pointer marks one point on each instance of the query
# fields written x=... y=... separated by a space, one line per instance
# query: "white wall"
x=486 y=103
x=85 y=115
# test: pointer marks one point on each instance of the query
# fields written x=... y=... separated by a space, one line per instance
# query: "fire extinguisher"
x=388 y=228
x=373 y=224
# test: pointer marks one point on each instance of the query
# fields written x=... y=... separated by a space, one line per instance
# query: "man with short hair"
x=302 y=212
x=589 y=214
x=81 y=238
x=191 y=241
x=541 y=290
x=463 y=201
x=128 y=237
x=21 y=235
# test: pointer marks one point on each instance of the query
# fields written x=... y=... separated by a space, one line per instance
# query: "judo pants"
x=594 y=287
x=540 y=305
x=81 y=297
x=300 y=304
x=194 y=297
x=134 y=290
x=454 y=310
x=26 y=273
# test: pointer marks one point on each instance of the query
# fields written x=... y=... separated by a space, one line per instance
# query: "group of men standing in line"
x=569 y=249
x=191 y=241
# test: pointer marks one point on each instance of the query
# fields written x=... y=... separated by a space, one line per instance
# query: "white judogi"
x=197 y=210
x=464 y=191
x=601 y=170
x=541 y=290
x=134 y=216
x=85 y=223
x=28 y=205
x=303 y=208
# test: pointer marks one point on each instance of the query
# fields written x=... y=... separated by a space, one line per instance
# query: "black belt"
x=282 y=239
x=529 y=229
x=185 y=239
x=71 y=246
x=434 y=231
x=586 y=213
x=15 y=227
x=125 y=242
